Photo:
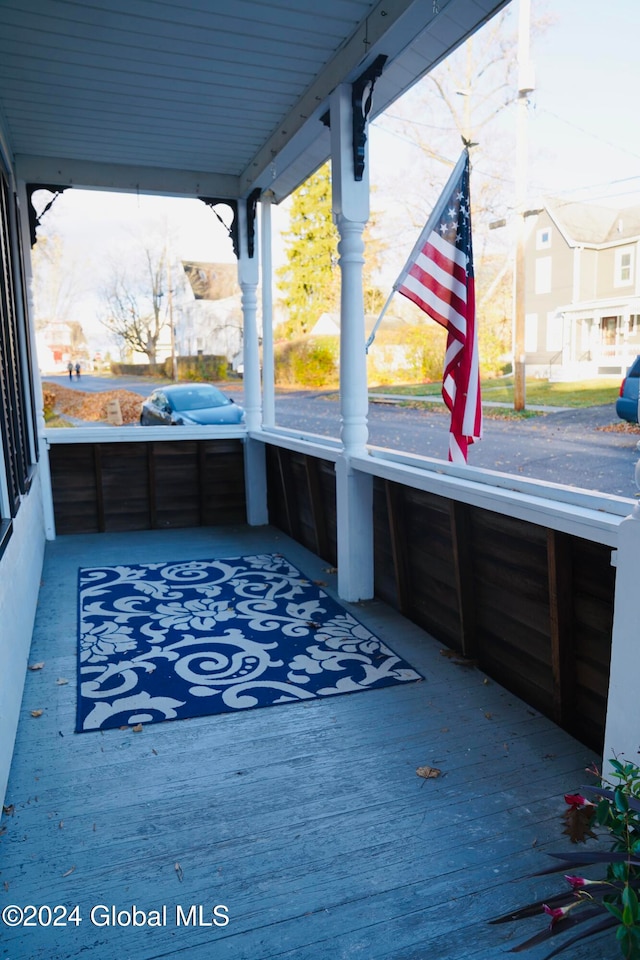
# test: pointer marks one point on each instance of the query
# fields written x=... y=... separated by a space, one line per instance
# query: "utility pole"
x=174 y=361
x=525 y=87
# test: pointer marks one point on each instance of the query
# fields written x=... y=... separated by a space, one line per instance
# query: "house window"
x=543 y=238
x=624 y=268
x=543 y=275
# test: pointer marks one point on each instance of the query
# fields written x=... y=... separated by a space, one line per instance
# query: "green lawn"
x=585 y=393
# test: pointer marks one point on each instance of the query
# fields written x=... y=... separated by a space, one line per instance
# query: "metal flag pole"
x=378 y=321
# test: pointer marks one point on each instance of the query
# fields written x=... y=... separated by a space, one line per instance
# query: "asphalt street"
x=570 y=447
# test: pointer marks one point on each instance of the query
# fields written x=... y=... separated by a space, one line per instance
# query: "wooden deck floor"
x=307 y=821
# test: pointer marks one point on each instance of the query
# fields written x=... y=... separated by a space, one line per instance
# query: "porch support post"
x=622 y=730
x=354 y=490
x=254 y=453
x=268 y=385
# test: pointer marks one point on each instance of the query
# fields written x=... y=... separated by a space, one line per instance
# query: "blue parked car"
x=627 y=402
x=188 y=404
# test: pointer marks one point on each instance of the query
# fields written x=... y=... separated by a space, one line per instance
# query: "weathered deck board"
x=307 y=820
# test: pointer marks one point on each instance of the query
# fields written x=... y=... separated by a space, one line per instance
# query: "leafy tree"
x=310 y=280
x=469 y=97
x=135 y=302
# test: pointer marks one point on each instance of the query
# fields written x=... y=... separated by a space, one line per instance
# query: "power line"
x=589 y=133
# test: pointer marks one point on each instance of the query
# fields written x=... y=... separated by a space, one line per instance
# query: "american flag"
x=438 y=277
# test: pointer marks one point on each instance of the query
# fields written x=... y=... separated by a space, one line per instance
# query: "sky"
x=582 y=133
x=583 y=127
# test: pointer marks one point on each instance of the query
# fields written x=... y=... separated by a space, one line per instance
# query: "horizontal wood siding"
x=532 y=606
x=593 y=589
x=512 y=605
x=222 y=483
x=302 y=499
x=73 y=482
x=111 y=487
x=424 y=578
x=125 y=489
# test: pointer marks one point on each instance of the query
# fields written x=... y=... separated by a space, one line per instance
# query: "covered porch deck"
x=307 y=821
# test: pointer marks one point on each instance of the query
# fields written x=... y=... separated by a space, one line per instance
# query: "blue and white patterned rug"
x=163 y=641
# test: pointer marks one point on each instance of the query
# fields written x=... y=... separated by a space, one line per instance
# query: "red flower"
x=558 y=913
x=576 y=800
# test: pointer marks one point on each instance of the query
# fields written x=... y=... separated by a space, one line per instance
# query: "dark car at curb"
x=189 y=404
x=627 y=402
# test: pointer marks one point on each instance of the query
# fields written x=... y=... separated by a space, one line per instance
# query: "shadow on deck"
x=307 y=821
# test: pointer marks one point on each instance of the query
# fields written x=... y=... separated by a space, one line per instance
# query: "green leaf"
x=620 y=800
x=613 y=909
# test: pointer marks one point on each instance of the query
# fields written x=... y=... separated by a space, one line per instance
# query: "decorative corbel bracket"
x=35 y=218
x=232 y=230
x=361 y=107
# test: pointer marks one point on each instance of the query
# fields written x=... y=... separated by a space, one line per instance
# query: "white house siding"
x=20 y=569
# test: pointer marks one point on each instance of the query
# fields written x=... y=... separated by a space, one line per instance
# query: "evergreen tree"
x=310 y=280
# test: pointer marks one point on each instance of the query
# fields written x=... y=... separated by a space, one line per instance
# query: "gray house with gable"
x=582 y=295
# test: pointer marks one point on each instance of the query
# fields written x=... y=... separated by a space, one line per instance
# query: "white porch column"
x=622 y=730
x=268 y=384
x=254 y=453
x=354 y=491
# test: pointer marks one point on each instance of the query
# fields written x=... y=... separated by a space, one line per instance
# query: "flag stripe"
x=429 y=300
x=433 y=262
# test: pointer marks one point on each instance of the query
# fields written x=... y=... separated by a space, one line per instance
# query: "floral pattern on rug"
x=165 y=641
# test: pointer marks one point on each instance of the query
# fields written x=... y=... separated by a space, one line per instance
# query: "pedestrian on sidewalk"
x=77 y=371
x=70 y=369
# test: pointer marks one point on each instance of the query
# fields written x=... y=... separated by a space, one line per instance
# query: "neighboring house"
x=210 y=318
x=582 y=299
x=58 y=342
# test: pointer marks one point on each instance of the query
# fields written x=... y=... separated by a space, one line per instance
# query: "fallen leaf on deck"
x=154 y=751
x=428 y=772
x=61 y=825
x=36 y=666
x=330 y=569
x=61 y=681
x=37 y=713
x=320 y=583
x=137 y=728
x=457 y=658
x=489 y=716
x=6 y=886
x=69 y=872
x=9 y=810
x=179 y=872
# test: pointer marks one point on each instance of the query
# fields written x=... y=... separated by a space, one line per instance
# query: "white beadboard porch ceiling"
x=209 y=97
